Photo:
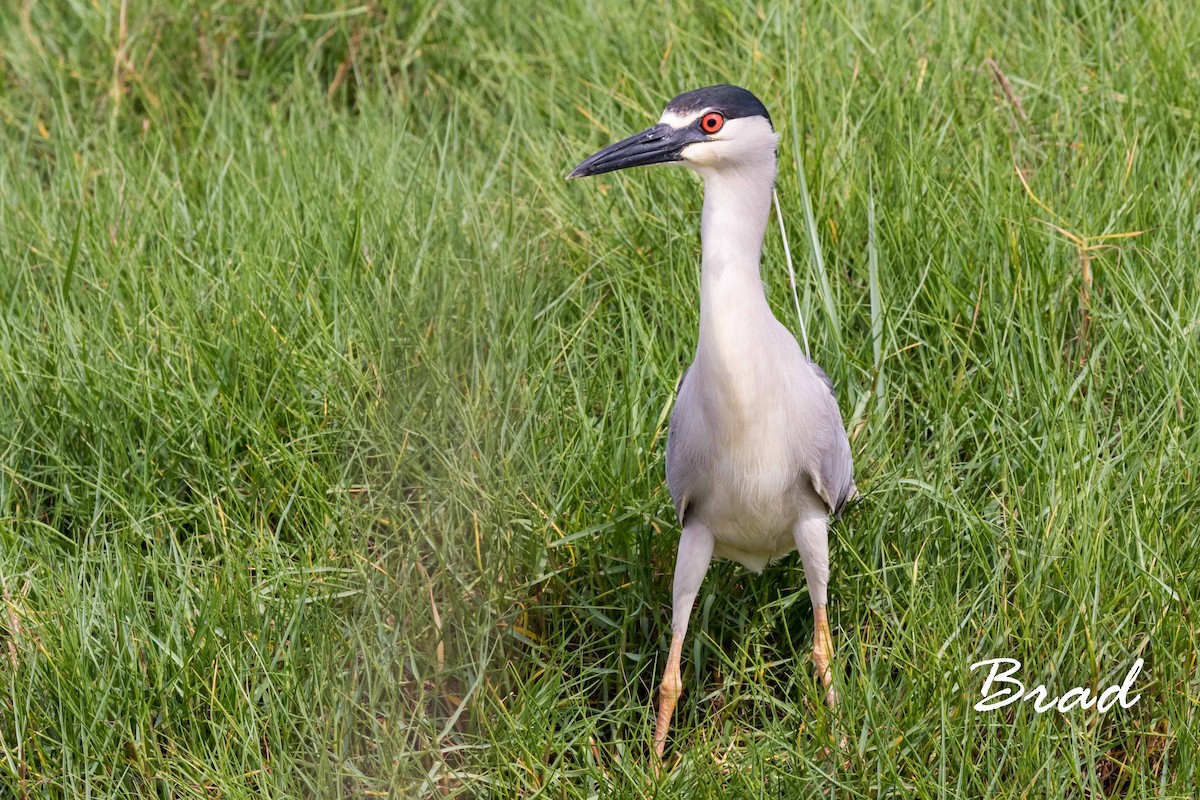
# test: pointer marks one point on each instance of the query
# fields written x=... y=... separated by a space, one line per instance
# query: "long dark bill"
x=661 y=144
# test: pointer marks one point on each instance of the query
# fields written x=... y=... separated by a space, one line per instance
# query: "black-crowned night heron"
x=757 y=457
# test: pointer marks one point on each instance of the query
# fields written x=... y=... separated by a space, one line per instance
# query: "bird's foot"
x=668 y=696
x=822 y=655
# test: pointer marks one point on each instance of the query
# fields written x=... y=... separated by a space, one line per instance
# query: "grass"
x=332 y=418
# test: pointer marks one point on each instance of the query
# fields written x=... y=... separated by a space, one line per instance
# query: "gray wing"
x=833 y=477
x=683 y=442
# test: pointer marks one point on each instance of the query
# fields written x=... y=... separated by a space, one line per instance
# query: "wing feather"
x=833 y=477
x=681 y=462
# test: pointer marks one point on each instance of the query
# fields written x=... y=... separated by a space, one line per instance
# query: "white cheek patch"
x=702 y=154
x=678 y=121
x=741 y=140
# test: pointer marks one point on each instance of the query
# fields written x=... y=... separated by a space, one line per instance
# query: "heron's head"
x=709 y=129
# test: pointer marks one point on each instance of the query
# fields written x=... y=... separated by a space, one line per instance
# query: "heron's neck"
x=737 y=205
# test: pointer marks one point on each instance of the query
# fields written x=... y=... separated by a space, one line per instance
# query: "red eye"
x=711 y=122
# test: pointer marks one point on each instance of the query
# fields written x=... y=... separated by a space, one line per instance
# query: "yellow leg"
x=695 y=550
x=668 y=694
x=822 y=653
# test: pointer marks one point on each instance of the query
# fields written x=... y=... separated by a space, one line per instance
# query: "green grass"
x=332 y=418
